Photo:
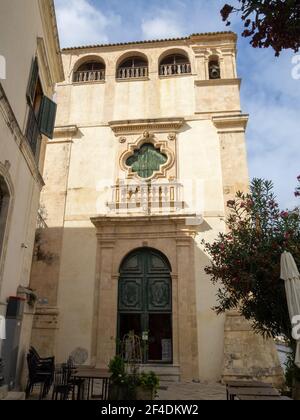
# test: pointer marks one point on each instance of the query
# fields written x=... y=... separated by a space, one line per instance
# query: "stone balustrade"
x=147 y=198
x=132 y=72
x=175 y=69
x=89 y=76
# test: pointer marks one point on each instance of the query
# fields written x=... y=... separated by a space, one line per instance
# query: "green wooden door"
x=145 y=299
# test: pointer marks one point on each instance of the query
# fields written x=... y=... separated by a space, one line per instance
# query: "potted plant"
x=119 y=380
x=147 y=386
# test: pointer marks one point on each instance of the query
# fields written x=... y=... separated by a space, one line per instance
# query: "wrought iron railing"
x=132 y=72
x=89 y=76
x=175 y=69
x=148 y=198
x=41 y=222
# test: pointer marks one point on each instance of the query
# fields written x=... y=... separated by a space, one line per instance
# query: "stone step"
x=166 y=373
x=3 y=392
x=15 y=396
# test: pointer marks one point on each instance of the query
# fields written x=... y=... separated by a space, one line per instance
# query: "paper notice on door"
x=166 y=345
x=2 y=328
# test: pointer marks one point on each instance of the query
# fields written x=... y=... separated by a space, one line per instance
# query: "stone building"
x=149 y=147
x=30 y=65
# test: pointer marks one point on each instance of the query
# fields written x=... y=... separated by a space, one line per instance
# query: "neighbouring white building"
x=30 y=67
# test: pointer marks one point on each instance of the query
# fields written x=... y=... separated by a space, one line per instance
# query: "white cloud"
x=164 y=25
x=80 y=23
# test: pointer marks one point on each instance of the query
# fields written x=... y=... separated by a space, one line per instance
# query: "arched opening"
x=4 y=206
x=135 y=67
x=175 y=64
x=145 y=303
x=92 y=70
x=214 y=69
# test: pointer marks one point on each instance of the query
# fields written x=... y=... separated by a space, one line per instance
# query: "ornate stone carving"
x=172 y=136
x=122 y=140
x=146 y=135
x=7 y=165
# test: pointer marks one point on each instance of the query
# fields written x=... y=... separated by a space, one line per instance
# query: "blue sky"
x=269 y=93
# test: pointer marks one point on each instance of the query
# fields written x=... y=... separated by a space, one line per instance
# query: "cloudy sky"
x=269 y=92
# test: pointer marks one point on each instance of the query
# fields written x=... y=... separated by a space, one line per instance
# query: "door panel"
x=131 y=295
x=159 y=295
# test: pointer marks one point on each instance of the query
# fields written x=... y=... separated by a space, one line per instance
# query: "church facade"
x=149 y=147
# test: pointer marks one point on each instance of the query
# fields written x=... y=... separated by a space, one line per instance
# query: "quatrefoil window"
x=146 y=160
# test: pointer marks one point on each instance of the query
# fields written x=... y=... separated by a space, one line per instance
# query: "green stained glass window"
x=146 y=160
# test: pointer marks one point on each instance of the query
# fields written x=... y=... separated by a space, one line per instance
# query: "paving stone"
x=192 y=391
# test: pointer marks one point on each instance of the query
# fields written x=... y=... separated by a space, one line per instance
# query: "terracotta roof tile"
x=149 y=41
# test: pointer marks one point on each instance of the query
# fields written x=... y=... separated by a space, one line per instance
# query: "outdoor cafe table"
x=245 y=384
x=89 y=376
x=257 y=398
x=255 y=392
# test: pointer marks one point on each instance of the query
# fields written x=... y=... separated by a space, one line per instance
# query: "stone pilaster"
x=187 y=321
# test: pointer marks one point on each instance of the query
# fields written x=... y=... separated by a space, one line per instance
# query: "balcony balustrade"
x=175 y=69
x=89 y=76
x=147 y=198
x=132 y=72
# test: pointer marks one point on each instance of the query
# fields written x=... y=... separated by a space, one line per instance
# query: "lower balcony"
x=147 y=198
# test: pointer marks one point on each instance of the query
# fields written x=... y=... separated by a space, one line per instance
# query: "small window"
x=174 y=65
x=90 y=71
x=214 y=69
x=4 y=205
x=133 y=68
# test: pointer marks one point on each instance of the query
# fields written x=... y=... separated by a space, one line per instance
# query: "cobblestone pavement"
x=192 y=391
x=171 y=391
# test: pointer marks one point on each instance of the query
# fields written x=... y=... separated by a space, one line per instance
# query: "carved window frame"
x=161 y=145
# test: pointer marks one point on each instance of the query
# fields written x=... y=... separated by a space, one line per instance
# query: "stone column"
x=107 y=296
x=187 y=322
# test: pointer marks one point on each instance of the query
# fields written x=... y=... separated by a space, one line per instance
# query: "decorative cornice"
x=104 y=221
x=21 y=141
x=160 y=125
x=219 y=82
x=66 y=130
x=231 y=124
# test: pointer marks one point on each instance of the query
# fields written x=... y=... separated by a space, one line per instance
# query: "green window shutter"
x=47 y=117
x=34 y=75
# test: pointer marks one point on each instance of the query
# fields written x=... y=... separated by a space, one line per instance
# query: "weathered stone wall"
x=248 y=355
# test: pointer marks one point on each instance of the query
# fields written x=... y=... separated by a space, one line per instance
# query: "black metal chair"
x=73 y=381
x=40 y=372
x=62 y=386
x=50 y=360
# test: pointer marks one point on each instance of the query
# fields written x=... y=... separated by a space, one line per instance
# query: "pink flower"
x=284 y=214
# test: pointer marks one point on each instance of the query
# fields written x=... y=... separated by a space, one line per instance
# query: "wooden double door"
x=145 y=303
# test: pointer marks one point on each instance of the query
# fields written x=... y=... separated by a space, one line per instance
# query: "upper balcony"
x=91 y=71
x=133 y=68
x=150 y=198
x=175 y=65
